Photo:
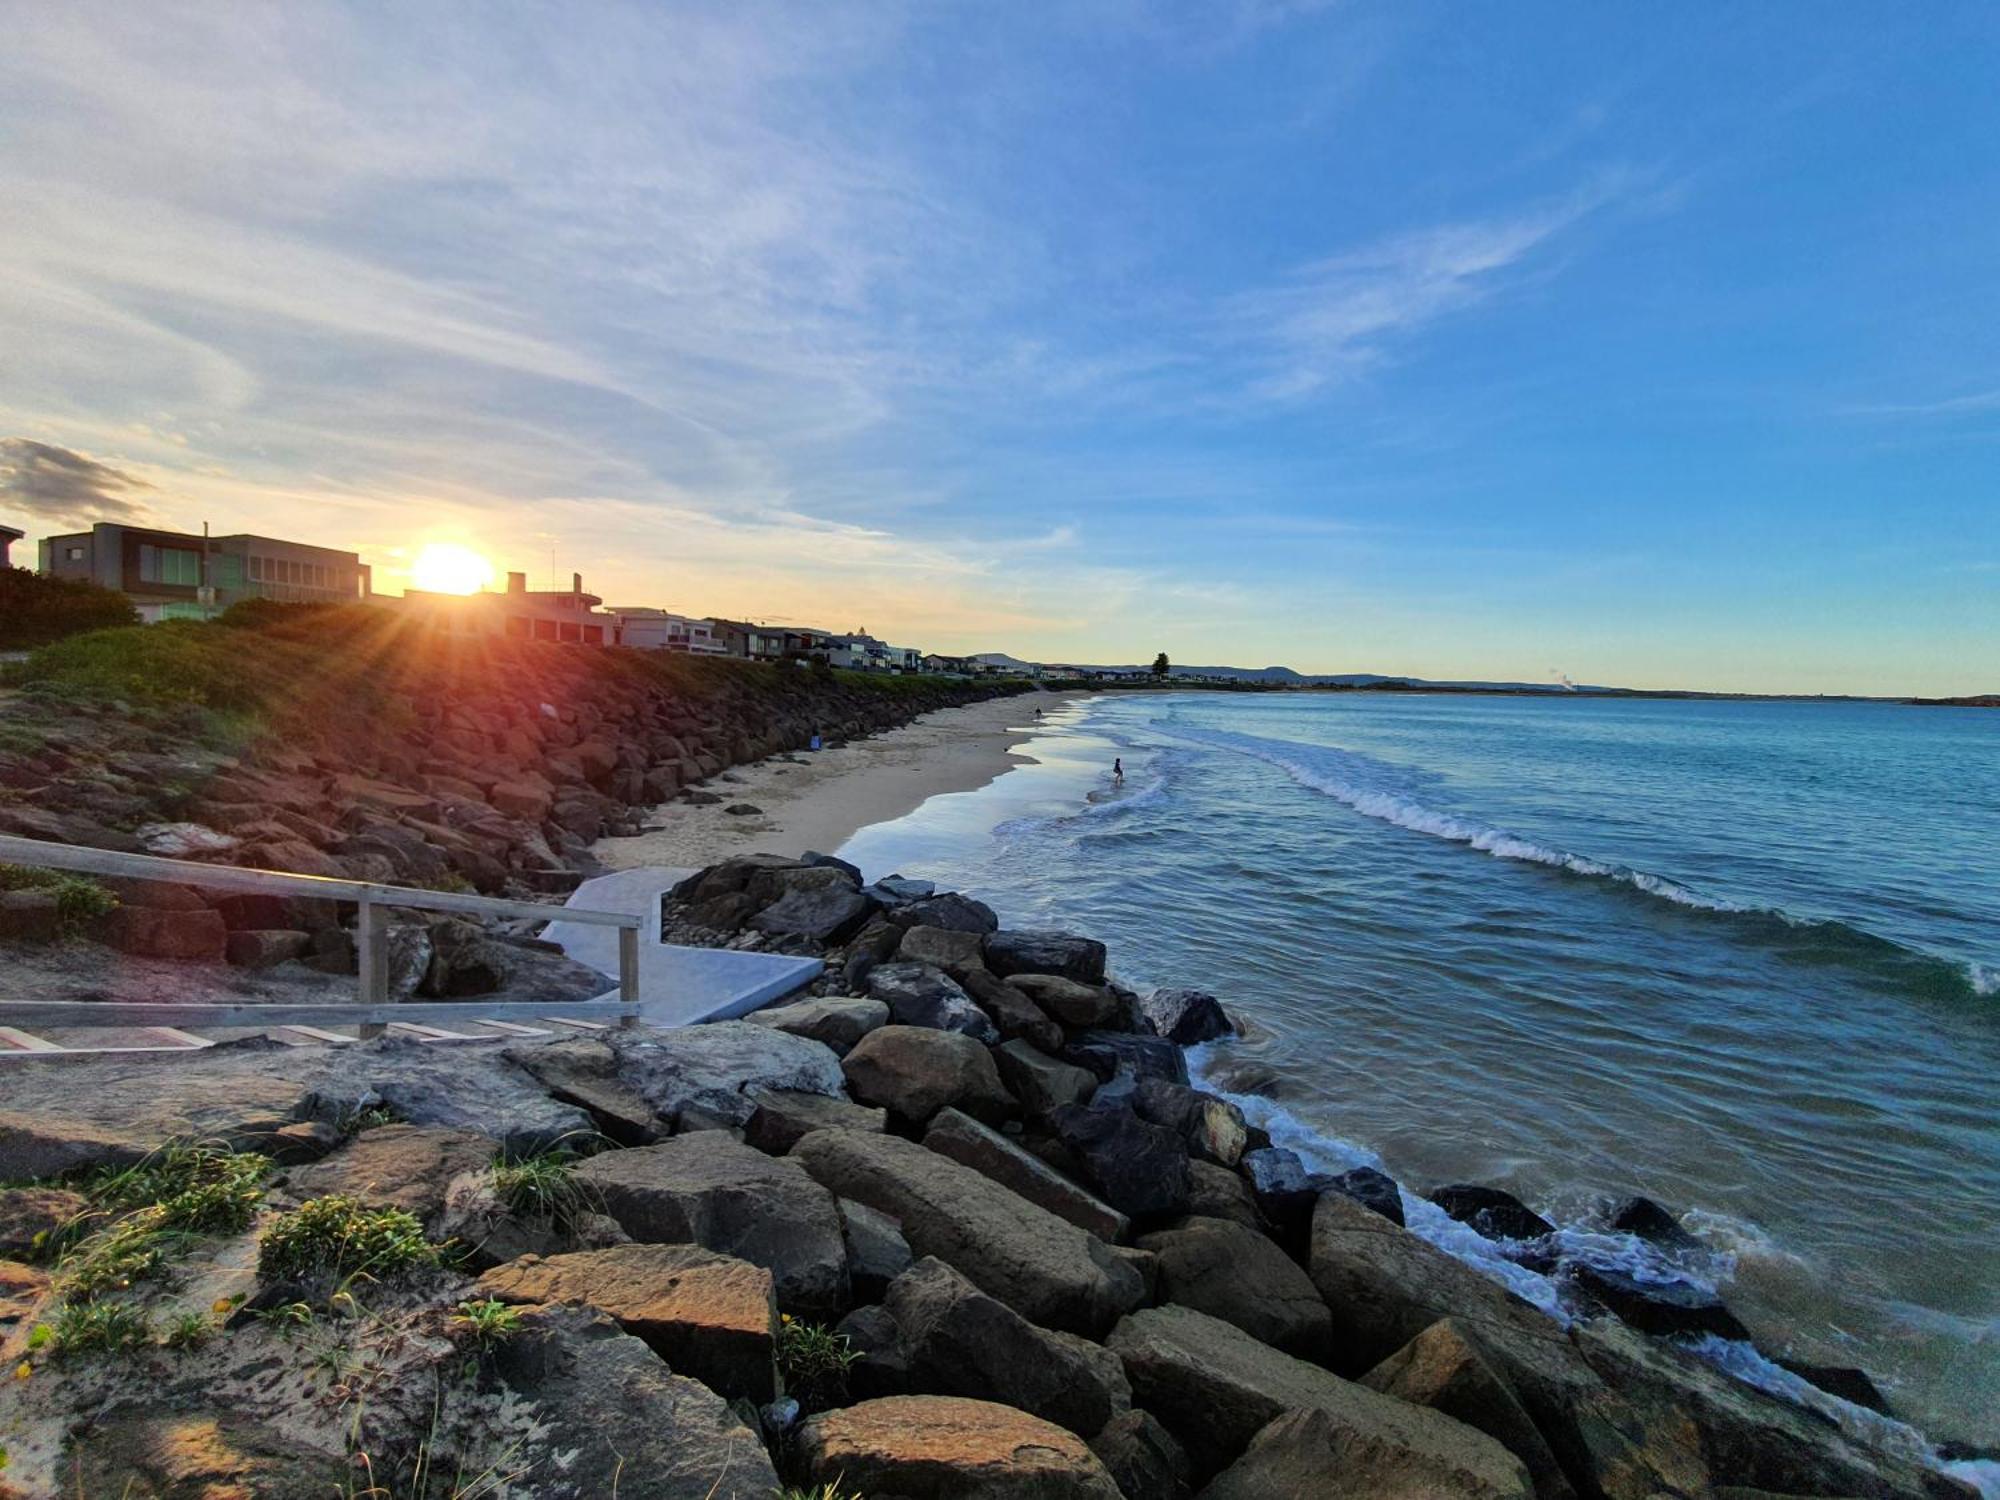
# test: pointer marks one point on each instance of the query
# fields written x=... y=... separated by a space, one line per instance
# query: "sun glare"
x=447 y=568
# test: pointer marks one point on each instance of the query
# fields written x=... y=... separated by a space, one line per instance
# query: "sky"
x=1656 y=346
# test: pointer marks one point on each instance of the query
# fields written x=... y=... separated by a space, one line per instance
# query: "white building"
x=663 y=630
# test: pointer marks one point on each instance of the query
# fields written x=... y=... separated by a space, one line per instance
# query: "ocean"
x=1742 y=957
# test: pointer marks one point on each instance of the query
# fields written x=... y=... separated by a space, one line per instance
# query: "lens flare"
x=448 y=568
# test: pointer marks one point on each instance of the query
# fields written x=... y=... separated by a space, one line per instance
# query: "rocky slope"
x=955 y=1227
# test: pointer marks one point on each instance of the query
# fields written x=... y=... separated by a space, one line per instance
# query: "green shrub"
x=80 y=900
x=813 y=1361
x=200 y=1189
x=98 y=1328
x=35 y=611
x=545 y=1187
x=339 y=1238
x=487 y=1323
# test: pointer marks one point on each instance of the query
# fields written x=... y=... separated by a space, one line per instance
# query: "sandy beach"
x=818 y=801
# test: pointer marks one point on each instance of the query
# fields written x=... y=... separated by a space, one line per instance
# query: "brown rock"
x=1039 y=1081
x=1215 y=1192
x=1071 y=1003
x=413 y=1167
x=784 y=1115
x=985 y=1150
x=1012 y=1011
x=954 y=952
x=265 y=949
x=837 y=1022
x=1142 y=1457
x=1332 y=1456
x=950 y=1448
x=150 y=932
x=914 y=1071
x=708 y=1315
x=1239 y=1276
x=31 y=1216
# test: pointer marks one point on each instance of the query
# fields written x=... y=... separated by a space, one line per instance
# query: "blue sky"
x=1648 y=345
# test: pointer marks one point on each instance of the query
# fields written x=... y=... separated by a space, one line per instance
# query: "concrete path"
x=677 y=986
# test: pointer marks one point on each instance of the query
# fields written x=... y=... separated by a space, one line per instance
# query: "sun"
x=448 y=568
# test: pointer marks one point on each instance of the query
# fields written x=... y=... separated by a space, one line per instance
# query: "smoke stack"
x=517 y=583
x=576 y=583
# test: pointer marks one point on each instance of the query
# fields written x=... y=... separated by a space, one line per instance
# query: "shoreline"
x=820 y=800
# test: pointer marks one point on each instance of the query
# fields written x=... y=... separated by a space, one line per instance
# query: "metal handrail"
x=371 y=926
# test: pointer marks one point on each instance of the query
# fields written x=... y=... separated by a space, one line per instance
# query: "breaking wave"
x=1362 y=784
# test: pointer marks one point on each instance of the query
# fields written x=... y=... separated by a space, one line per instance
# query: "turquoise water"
x=1742 y=957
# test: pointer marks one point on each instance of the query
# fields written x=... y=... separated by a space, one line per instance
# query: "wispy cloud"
x=64 y=487
x=1978 y=403
x=1331 y=318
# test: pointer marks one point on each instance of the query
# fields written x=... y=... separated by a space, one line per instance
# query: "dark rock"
x=709 y=1190
x=32 y=1217
x=1137 y=1167
x=958 y=1341
x=914 y=1072
x=824 y=916
x=956 y=953
x=606 y=1408
x=416 y=1168
x=1059 y=953
x=1218 y=1193
x=1286 y=1192
x=1650 y=1222
x=1844 y=1381
x=945 y=1447
x=29 y=917
x=265 y=950
x=1107 y=1053
x=1048 y=1270
x=1187 y=1017
x=1371 y=1189
x=782 y=1116
x=584 y=1072
x=1663 y=1308
x=815 y=860
x=1492 y=1211
x=899 y=889
x=1039 y=1081
x=1013 y=1012
x=1073 y=1004
x=743 y=809
x=918 y=995
x=1142 y=1457
x=1239 y=1276
x=951 y=911
x=837 y=1023
x=877 y=1253
x=706 y=1069
x=465 y=961
x=965 y=1140
x=1213 y=1128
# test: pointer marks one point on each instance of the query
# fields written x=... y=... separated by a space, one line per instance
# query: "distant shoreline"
x=1454 y=690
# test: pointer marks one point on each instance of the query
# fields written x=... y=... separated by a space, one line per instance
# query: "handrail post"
x=371 y=944
x=628 y=973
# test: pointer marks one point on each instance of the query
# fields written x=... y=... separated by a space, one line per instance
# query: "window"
x=174 y=565
x=74 y=554
x=256 y=568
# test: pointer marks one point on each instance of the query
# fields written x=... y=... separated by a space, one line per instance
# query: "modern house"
x=521 y=613
x=756 y=642
x=8 y=536
x=954 y=666
x=172 y=575
x=647 y=629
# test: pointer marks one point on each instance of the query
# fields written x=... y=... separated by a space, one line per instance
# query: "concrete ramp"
x=677 y=986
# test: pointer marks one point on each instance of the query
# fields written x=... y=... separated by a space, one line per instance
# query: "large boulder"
x=919 y=995
x=1018 y=1017
x=417 y=1168
x=914 y=1071
x=877 y=1253
x=707 y=1070
x=957 y=953
x=784 y=1115
x=1667 y=1309
x=1045 y=1268
x=954 y=1340
x=1331 y=1456
x=1643 y=1218
x=951 y=911
x=1187 y=1017
x=1138 y=1168
x=822 y=915
x=1109 y=1053
x=986 y=1150
x=1073 y=1004
x=584 y=1072
x=1372 y=1189
x=950 y=1448
x=1059 y=953
x=1218 y=1193
x=1039 y=1081
x=610 y=1418
x=1217 y=1388
x=1239 y=1276
x=1213 y=1128
x=835 y=1021
x=710 y=1190
x=708 y=1315
x=1494 y=1212
x=1440 y=1368
x=1285 y=1189
x=1144 y=1459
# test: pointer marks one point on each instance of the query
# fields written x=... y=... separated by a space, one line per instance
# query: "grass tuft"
x=545 y=1187
x=813 y=1360
x=98 y=1328
x=486 y=1324
x=339 y=1238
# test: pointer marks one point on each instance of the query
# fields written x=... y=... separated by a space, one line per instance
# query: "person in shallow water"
x=1118 y=770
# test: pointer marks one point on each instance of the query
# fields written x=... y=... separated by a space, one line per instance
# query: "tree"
x=1161 y=666
x=35 y=610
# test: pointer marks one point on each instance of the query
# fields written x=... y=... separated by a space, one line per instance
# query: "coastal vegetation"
x=35 y=610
